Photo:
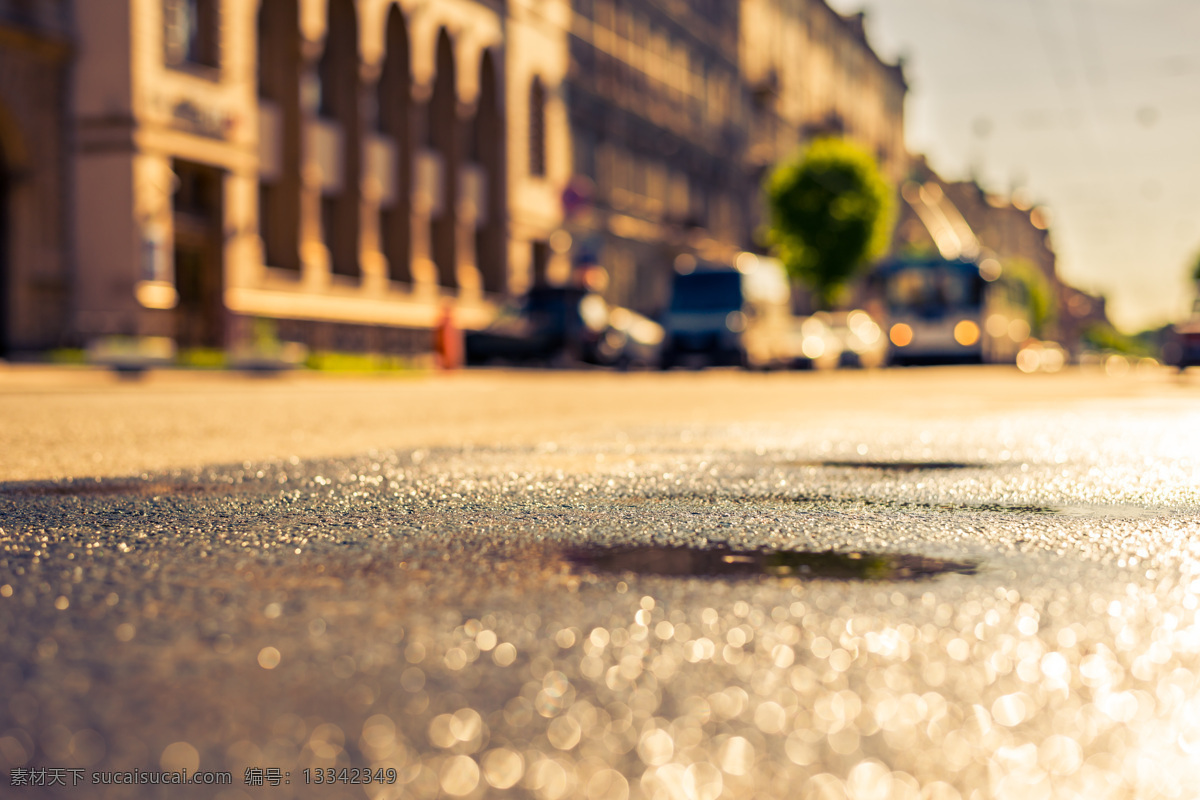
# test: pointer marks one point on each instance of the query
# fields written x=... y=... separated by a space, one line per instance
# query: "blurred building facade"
x=811 y=71
x=35 y=292
x=658 y=130
x=349 y=168
x=336 y=166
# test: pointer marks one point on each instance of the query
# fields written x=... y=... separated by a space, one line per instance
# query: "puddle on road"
x=1116 y=511
x=117 y=488
x=1093 y=511
x=887 y=466
x=722 y=563
x=1082 y=510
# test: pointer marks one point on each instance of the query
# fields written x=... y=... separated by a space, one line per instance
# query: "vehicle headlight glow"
x=813 y=347
x=1018 y=330
x=594 y=312
x=997 y=325
x=901 y=334
x=966 y=333
x=863 y=326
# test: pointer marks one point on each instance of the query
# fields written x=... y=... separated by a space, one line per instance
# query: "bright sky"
x=1092 y=106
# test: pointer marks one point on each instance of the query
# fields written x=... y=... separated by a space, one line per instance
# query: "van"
x=736 y=315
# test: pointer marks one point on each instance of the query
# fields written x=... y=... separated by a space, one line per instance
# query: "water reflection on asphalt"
x=696 y=625
x=722 y=563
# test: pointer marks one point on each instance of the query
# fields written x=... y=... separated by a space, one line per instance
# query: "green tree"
x=1102 y=336
x=1039 y=294
x=830 y=213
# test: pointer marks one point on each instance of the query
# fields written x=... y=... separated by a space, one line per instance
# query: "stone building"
x=539 y=143
x=678 y=111
x=811 y=71
x=337 y=166
x=657 y=122
x=348 y=169
x=35 y=298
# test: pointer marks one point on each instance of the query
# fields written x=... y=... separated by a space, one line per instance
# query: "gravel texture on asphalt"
x=425 y=613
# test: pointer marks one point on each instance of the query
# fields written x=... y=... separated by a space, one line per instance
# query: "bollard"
x=447 y=339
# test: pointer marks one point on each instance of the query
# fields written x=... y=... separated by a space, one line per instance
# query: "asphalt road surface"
x=939 y=583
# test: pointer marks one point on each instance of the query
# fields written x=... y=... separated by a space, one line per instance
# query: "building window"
x=21 y=12
x=190 y=32
x=537 y=128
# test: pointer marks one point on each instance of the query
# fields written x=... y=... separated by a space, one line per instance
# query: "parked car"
x=631 y=340
x=722 y=315
x=548 y=325
x=861 y=338
x=813 y=343
x=1036 y=355
x=1182 y=348
x=564 y=325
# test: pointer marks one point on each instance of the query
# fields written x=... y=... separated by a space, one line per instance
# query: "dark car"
x=548 y=325
x=630 y=340
x=563 y=326
x=1183 y=348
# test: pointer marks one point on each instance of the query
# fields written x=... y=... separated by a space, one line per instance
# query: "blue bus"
x=941 y=311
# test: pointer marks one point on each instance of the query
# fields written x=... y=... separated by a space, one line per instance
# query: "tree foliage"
x=830 y=212
x=1102 y=336
x=1037 y=291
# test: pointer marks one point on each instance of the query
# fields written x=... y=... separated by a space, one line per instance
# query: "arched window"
x=394 y=121
x=340 y=109
x=4 y=245
x=445 y=138
x=490 y=242
x=279 y=60
x=537 y=128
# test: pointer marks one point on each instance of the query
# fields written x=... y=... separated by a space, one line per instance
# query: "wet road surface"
x=939 y=600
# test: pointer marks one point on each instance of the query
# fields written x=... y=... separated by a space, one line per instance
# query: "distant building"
x=961 y=219
x=1080 y=312
x=678 y=111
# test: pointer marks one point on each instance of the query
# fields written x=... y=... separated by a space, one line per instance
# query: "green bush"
x=330 y=361
x=203 y=358
x=1101 y=336
x=1038 y=293
x=67 y=355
